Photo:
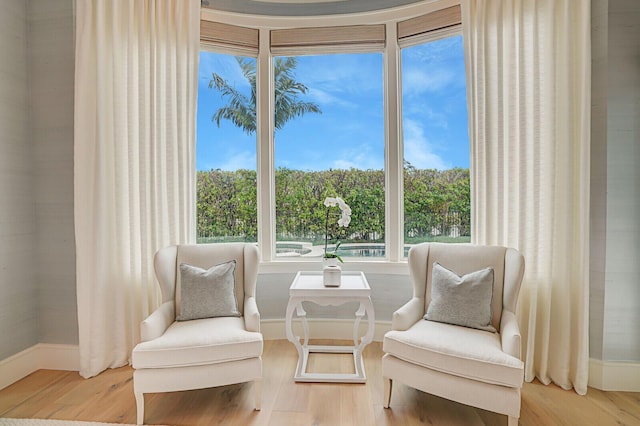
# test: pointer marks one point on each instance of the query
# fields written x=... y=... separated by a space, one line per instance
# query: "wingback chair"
x=468 y=365
x=200 y=353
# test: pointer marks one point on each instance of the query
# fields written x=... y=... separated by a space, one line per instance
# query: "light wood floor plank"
x=109 y=398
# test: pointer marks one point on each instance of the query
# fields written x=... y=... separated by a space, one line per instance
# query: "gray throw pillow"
x=207 y=293
x=464 y=301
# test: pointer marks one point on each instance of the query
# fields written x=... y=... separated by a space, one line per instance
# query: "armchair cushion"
x=459 y=351
x=461 y=300
x=199 y=342
x=208 y=293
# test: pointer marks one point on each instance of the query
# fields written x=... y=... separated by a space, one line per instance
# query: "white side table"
x=307 y=286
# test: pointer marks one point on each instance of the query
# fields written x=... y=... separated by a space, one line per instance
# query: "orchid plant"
x=345 y=219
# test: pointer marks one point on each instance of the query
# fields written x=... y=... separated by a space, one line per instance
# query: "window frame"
x=407 y=42
x=394 y=261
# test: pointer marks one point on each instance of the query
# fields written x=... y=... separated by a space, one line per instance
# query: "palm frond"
x=241 y=110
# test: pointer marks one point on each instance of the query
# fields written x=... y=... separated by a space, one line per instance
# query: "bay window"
x=375 y=114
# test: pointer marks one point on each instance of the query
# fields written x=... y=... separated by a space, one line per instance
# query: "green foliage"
x=226 y=204
x=437 y=205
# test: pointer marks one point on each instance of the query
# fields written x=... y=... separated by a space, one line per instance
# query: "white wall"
x=18 y=297
x=51 y=80
x=388 y=293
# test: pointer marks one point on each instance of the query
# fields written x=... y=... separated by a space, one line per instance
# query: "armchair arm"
x=251 y=315
x=158 y=322
x=408 y=314
x=510 y=334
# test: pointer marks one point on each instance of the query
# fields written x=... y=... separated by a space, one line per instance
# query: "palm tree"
x=241 y=109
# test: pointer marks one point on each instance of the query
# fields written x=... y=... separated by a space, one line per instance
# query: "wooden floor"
x=109 y=398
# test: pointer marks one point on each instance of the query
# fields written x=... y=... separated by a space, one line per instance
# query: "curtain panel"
x=528 y=70
x=134 y=162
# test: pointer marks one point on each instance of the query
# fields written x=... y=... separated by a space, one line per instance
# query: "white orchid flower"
x=344 y=221
x=330 y=202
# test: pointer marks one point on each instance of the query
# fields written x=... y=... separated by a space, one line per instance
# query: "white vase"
x=331 y=276
x=329 y=261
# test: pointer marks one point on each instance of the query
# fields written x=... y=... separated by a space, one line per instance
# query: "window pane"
x=436 y=143
x=329 y=141
x=226 y=149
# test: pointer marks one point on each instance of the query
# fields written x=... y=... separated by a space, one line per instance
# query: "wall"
x=615 y=190
x=388 y=293
x=621 y=337
x=599 y=38
x=51 y=71
x=37 y=253
x=18 y=297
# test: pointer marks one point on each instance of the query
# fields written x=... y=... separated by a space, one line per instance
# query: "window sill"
x=368 y=267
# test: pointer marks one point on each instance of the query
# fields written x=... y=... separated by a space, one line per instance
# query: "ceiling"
x=302 y=7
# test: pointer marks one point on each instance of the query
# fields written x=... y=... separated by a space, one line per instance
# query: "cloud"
x=335 y=156
x=363 y=156
x=325 y=98
x=417 y=80
x=240 y=160
x=225 y=154
x=438 y=51
x=417 y=149
x=432 y=67
x=423 y=111
x=225 y=65
x=340 y=77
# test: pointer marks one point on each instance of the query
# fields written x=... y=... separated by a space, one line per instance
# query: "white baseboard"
x=614 y=376
x=43 y=356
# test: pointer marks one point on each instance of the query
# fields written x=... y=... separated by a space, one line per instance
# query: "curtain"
x=134 y=171
x=528 y=70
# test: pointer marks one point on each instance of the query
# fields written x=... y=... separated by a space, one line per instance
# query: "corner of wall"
x=38 y=357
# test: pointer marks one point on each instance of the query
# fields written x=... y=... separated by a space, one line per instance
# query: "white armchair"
x=200 y=353
x=466 y=365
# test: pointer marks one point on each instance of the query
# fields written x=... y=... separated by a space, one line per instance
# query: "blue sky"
x=350 y=130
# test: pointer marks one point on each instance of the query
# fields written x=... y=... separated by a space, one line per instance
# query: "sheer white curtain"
x=528 y=70
x=134 y=173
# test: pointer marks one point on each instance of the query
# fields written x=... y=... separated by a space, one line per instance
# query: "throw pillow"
x=207 y=293
x=464 y=301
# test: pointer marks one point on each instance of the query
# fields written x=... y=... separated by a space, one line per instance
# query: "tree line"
x=436 y=204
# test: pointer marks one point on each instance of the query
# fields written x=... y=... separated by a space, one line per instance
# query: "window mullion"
x=394 y=150
x=265 y=149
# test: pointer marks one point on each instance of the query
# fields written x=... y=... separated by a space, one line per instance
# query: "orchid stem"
x=326 y=231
